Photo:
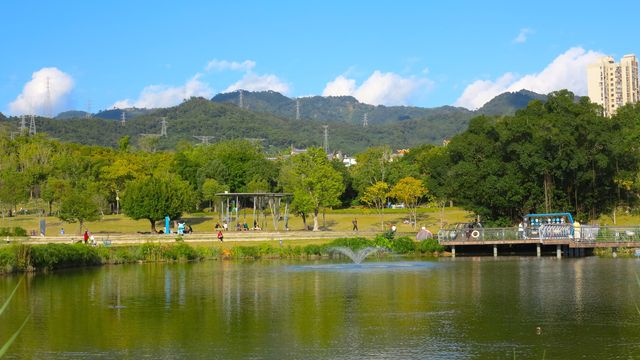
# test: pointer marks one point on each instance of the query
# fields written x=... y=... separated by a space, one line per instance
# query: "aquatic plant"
x=13 y=337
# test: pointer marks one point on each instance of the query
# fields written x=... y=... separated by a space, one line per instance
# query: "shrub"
x=313 y=250
x=245 y=252
x=180 y=251
x=353 y=243
x=54 y=256
x=430 y=246
x=16 y=231
x=382 y=241
x=403 y=245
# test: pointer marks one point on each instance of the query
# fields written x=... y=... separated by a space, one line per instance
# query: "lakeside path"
x=229 y=236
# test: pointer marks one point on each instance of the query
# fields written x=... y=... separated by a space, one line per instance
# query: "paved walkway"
x=229 y=236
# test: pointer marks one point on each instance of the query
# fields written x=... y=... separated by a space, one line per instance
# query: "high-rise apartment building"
x=613 y=85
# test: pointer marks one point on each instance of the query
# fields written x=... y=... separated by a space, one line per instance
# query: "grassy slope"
x=339 y=220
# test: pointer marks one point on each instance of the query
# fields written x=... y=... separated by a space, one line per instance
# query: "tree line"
x=560 y=155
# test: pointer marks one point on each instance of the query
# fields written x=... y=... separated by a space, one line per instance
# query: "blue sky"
x=156 y=53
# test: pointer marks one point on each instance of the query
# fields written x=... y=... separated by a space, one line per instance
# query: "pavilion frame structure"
x=277 y=203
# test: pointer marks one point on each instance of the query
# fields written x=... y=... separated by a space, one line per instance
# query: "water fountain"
x=356 y=256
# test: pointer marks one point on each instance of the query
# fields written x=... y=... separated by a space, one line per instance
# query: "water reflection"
x=467 y=308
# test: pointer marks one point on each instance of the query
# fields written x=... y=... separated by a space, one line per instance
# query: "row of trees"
x=560 y=155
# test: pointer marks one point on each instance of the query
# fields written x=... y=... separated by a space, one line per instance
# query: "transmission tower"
x=241 y=101
x=297 y=109
x=23 y=124
x=204 y=138
x=48 y=109
x=325 y=145
x=32 y=125
x=123 y=118
x=163 y=129
x=88 y=116
x=365 y=121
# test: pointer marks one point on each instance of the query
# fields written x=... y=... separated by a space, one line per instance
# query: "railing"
x=479 y=234
x=584 y=233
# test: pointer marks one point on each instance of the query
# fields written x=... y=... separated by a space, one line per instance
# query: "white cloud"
x=379 y=89
x=255 y=82
x=567 y=71
x=340 y=86
x=34 y=98
x=522 y=36
x=156 y=96
x=222 y=65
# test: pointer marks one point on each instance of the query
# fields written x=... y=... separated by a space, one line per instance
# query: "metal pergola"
x=231 y=204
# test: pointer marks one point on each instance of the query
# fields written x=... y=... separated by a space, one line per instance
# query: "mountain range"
x=271 y=117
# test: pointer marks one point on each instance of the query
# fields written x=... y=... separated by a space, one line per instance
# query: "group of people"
x=239 y=227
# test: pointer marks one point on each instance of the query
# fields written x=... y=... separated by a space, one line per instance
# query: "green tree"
x=153 y=198
x=376 y=196
x=311 y=176
x=211 y=187
x=372 y=166
x=78 y=205
x=409 y=191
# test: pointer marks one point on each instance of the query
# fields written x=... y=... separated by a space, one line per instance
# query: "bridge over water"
x=562 y=238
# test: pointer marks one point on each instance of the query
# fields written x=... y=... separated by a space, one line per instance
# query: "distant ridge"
x=333 y=108
x=116 y=114
x=71 y=114
x=270 y=116
x=508 y=103
x=2 y=117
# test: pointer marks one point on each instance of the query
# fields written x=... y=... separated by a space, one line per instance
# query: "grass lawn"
x=335 y=220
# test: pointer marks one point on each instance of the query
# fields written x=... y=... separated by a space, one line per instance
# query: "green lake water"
x=464 y=308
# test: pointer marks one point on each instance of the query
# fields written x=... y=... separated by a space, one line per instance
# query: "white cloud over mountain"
x=567 y=71
x=379 y=89
x=36 y=99
x=156 y=96
x=255 y=82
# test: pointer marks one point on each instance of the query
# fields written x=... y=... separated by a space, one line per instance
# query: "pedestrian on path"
x=220 y=236
x=355 y=224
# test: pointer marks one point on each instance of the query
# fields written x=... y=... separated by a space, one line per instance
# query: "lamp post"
x=117 y=203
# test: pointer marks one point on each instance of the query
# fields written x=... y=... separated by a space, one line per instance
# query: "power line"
x=123 y=118
x=326 y=138
x=88 y=115
x=23 y=124
x=48 y=109
x=365 y=121
x=163 y=129
x=204 y=138
x=32 y=125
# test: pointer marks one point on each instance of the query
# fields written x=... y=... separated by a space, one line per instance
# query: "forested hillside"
x=336 y=108
x=199 y=116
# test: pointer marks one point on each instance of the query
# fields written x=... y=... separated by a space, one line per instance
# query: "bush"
x=403 y=245
x=430 y=246
x=245 y=252
x=352 y=243
x=313 y=250
x=16 y=231
x=54 y=256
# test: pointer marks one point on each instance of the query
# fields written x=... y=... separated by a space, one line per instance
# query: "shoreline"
x=44 y=257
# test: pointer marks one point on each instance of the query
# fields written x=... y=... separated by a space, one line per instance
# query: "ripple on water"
x=366 y=266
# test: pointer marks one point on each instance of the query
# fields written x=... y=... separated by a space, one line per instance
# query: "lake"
x=463 y=308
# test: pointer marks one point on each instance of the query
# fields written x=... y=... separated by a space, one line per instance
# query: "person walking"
x=220 y=236
x=355 y=224
x=86 y=236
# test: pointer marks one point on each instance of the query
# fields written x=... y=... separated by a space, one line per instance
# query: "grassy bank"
x=27 y=258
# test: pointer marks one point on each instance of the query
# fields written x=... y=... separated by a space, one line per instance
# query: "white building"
x=612 y=85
